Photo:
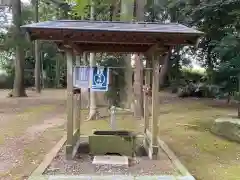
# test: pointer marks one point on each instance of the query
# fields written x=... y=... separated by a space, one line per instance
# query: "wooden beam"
x=63 y=46
x=93 y=37
x=29 y=37
x=74 y=46
x=152 y=49
x=146 y=97
x=88 y=47
x=78 y=102
x=78 y=60
x=113 y=48
x=112 y=37
x=70 y=143
x=155 y=103
x=156 y=48
x=60 y=47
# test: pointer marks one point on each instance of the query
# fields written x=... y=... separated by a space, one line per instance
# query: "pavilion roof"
x=112 y=36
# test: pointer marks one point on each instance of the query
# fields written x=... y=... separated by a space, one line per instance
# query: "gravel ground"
x=82 y=164
x=13 y=110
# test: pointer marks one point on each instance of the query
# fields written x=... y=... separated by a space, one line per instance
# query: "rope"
x=112 y=67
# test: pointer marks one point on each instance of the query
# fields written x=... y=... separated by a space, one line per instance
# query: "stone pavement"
x=118 y=177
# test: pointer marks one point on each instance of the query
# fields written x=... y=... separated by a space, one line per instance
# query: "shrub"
x=199 y=90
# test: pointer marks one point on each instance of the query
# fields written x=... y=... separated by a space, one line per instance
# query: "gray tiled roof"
x=115 y=26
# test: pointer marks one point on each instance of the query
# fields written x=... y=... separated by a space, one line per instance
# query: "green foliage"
x=219 y=49
x=228 y=50
x=199 y=89
x=192 y=75
x=81 y=9
x=50 y=55
x=215 y=18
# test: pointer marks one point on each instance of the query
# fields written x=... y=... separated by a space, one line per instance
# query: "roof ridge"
x=120 y=22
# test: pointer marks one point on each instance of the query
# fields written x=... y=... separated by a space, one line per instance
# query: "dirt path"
x=22 y=122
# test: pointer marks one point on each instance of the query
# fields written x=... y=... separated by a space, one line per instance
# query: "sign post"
x=96 y=78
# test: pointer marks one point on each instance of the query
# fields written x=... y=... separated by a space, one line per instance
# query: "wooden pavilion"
x=150 y=39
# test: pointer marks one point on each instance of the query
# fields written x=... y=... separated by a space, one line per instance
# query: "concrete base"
x=150 y=149
x=38 y=173
x=114 y=142
x=119 y=177
x=69 y=150
x=111 y=160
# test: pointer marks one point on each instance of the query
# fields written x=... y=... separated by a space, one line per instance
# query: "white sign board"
x=81 y=77
x=5 y=2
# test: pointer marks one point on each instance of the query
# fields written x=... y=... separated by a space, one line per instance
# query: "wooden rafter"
x=88 y=47
x=111 y=39
x=70 y=44
x=113 y=36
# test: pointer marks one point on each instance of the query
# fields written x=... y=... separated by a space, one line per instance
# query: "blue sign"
x=100 y=79
x=81 y=77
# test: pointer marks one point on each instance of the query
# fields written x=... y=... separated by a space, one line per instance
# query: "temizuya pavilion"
x=150 y=39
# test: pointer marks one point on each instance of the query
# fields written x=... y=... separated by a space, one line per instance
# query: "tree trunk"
x=114 y=10
x=60 y=14
x=238 y=115
x=140 y=9
x=93 y=106
x=177 y=65
x=229 y=98
x=127 y=7
x=138 y=73
x=57 y=73
x=127 y=15
x=138 y=86
x=18 y=86
x=37 y=54
x=210 y=65
x=238 y=96
x=85 y=91
x=164 y=69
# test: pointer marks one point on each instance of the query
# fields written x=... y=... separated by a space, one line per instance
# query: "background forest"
x=218 y=52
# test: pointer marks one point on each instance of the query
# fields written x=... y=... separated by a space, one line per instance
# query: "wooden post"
x=78 y=102
x=238 y=98
x=155 y=103
x=57 y=76
x=70 y=143
x=146 y=100
x=37 y=70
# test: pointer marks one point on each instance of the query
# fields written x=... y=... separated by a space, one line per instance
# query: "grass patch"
x=207 y=156
x=184 y=126
x=124 y=121
x=186 y=130
x=35 y=152
x=17 y=126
